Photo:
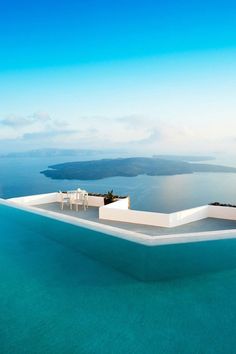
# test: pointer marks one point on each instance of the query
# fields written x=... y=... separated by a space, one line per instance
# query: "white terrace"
x=196 y=224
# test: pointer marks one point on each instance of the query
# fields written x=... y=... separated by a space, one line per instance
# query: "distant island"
x=129 y=167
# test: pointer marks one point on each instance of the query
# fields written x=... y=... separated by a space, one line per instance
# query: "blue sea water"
x=21 y=176
x=54 y=299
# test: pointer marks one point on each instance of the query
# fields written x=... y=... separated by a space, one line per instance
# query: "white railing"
x=119 y=211
x=36 y=199
x=133 y=236
x=94 y=201
x=189 y=215
x=221 y=212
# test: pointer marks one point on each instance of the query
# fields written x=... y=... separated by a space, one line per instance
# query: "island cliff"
x=129 y=167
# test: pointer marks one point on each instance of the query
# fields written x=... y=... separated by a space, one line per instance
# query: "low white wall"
x=186 y=216
x=221 y=212
x=132 y=236
x=134 y=216
x=36 y=199
x=119 y=204
x=93 y=201
x=119 y=211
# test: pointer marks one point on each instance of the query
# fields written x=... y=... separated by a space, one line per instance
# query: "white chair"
x=71 y=196
x=64 y=199
x=85 y=195
x=77 y=200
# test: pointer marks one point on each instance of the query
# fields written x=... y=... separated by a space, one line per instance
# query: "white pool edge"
x=132 y=236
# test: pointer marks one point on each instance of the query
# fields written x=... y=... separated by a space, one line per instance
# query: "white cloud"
x=138 y=133
x=19 y=121
x=16 y=127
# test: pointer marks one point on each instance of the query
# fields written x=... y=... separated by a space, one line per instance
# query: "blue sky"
x=148 y=76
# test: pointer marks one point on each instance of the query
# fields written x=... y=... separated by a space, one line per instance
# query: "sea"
x=21 y=176
x=56 y=300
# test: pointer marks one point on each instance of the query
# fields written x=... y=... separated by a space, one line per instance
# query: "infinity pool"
x=56 y=299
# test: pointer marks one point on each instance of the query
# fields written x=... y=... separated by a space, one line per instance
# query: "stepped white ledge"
x=119 y=212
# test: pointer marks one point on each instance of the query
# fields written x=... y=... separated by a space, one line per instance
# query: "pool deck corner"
x=192 y=225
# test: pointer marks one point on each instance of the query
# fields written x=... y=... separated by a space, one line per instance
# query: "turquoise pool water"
x=55 y=299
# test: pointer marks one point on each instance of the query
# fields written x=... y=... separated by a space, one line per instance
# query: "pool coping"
x=128 y=235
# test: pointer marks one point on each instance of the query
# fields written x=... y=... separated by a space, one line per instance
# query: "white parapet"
x=119 y=211
x=36 y=199
x=189 y=215
x=221 y=212
x=94 y=201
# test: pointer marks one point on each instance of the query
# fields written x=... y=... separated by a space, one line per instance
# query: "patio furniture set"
x=75 y=198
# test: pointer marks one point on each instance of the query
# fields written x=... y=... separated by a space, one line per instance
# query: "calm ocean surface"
x=21 y=176
x=56 y=300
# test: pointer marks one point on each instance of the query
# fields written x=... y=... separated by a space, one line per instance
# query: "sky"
x=141 y=76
